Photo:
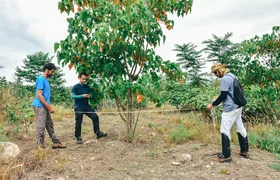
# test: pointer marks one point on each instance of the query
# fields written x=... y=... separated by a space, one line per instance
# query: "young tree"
x=190 y=59
x=222 y=50
x=187 y=56
x=115 y=40
x=33 y=67
x=3 y=80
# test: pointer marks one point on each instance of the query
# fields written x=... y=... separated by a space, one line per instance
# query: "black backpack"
x=238 y=93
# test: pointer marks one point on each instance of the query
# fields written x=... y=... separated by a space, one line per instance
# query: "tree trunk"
x=130 y=116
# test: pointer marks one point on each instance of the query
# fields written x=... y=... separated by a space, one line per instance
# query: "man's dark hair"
x=49 y=66
x=82 y=73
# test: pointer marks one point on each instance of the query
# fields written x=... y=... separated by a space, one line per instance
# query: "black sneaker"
x=100 y=134
x=79 y=140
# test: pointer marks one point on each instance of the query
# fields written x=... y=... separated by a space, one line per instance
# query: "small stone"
x=186 y=158
x=60 y=178
x=208 y=166
x=175 y=163
x=92 y=158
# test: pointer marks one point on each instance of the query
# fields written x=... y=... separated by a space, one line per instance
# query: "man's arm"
x=75 y=96
x=44 y=102
x=220 y=99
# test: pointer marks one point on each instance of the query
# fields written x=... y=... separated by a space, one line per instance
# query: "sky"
x=28 y=26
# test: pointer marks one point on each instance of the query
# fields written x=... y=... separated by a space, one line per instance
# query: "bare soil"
x=150 y=156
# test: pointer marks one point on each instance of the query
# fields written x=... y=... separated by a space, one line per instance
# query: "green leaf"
x=56 y=46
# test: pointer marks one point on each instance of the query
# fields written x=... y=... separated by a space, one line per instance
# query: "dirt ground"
x=150 y=156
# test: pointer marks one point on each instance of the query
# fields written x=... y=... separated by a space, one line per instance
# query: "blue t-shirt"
x=227 y=85
x=80 y=89
x=42 y=84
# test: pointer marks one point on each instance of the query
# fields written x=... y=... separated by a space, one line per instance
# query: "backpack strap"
x=230 y=76
x=233 y=84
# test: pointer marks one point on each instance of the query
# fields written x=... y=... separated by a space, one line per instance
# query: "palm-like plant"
x=187 y=55
x=222 y=50
x=197 y=78
x=190 y=60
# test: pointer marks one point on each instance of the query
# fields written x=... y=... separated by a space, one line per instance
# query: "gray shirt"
x=227 y=85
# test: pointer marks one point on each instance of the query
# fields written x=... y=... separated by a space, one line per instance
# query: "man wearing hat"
x=231 y=114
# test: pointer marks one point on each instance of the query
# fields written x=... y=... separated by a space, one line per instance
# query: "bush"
x=265 y=137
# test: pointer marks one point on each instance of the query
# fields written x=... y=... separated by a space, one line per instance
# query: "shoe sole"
x=227 y=160
x=244 y=156
x=59 y=147
x=101 y=137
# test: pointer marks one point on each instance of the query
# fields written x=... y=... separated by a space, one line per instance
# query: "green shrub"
x=275 y=166
x=268 y=139
x=180 y=134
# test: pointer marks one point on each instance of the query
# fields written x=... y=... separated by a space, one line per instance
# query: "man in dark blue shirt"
x=81 y=94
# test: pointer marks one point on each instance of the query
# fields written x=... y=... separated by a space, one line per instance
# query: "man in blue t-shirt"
x=42 y=108
x=231 y=114
x=81 y=94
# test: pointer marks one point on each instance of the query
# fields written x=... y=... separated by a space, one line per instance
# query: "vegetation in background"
x=27 y=74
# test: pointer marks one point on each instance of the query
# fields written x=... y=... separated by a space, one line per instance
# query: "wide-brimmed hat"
x=217 y=66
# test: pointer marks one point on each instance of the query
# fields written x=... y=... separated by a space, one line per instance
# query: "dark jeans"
x=79 y=112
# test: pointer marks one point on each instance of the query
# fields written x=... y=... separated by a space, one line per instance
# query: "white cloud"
x=28 y=26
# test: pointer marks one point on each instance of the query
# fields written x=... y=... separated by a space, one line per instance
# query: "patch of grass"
x=10 y=168
x=62 y=113
x=277 y=156
x=196 y=146
x=154 y=154
x=180 y=134
x=190 y=127
x=225 y=171
x=35 y=158
x=152 y=124
x=86 y=129
x=160 y=130
x=60 y=164
x=175 y=120
x=266 y=137
x=275 y=166
x=3 y=137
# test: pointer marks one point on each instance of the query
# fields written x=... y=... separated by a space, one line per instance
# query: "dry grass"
x=62 y=113
x=35 y=158
x=60 y=163
x=10 y=168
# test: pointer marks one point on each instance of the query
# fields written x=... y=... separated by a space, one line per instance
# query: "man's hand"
x=210 y=106
x=86 y=95
x=51 y=109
